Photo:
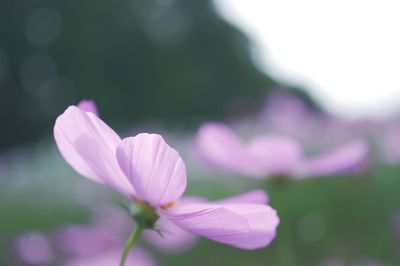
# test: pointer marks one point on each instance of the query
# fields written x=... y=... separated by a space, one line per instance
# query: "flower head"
x=34 y=248
x=137 y=257
x=273 y=155
x=86 y=240
x=390 y=145
x=147 y=170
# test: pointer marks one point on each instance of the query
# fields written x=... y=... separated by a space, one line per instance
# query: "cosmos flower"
x=86 y=241
x=137 y=257
x=34 y=248
x=96 y=245
x=390 y=145
x=148 y=171
x=272 y=155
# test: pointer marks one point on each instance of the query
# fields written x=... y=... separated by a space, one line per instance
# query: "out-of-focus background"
x=323 y=73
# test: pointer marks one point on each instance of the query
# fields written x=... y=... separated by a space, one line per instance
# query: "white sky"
x=345 y=52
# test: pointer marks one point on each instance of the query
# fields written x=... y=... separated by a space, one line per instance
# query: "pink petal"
x=347 y=158
x=255 y=196
x=88 y=106
x=89 y=146
x=247 y=226
x=263 y=222
x=219 y=146
x=209 y=220
x=275 y=155
x=156 y=170
x=174 y=239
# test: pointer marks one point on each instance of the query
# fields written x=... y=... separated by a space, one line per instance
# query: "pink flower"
x=86 y=240
x=112 y=220
x=147 y=170
x=34 y=248
x=137 y=257
x=270 y=155
x=390 y=143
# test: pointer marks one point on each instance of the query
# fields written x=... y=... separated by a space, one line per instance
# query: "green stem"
x=286 y=252
x=285 y=247
x=136 y=233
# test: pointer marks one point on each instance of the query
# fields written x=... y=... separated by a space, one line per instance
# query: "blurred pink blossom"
x=268 y=155
x=34 y=248
x=136 y=257
x=86 y=240
x=390 y=143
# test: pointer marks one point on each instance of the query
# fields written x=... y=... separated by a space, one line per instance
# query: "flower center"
x=169 y=205
x=145 y=215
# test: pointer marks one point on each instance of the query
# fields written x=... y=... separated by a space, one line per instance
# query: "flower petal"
x=263 y=222
x=156 y=170
x=255 y=196
x=88 y=106
x=89 y=146
x=218 y=145
x=346 y=158
x=275 y=155
x=209 y=220
x=247 y=226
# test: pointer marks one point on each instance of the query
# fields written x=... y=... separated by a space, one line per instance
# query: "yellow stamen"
x=169 y=205
x=145 y=205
